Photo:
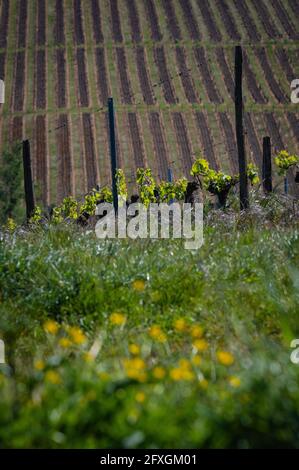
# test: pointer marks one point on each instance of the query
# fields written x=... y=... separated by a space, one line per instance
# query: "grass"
x=145 y=344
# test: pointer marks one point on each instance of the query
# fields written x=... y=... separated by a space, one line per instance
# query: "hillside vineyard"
x=168 y=64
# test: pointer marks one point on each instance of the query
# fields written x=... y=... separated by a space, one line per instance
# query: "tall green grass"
x=241 y=288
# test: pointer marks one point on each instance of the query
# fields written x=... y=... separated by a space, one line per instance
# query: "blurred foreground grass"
x=146 y=344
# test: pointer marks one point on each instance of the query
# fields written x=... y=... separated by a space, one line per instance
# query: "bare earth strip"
x=226 y=72
x=159 y=143
x=172 y=22
x=61 y=89
x=22 y=26
x=206 y=138
x=285 y=63
x=115 y=22
x=41 y=157
x=284 y=19
x=204 y=69
x=41 y=23
x=90 y=153
x=144 y=78
x=153 y=20
x=126 y=90
x=4 y=23
x=293 y=120
x=183 y=141
x=82 y=78
x=65 y=164
x=190 y=20
x=102 y=79
x=134 y=21
x=254 y=140
x=59 y=34
x=254 y=88
x=16 y=129
x=136 y=137
x=96 y=21
x=213 y=29
x=230 y=139
x=247 y=20
x=264 y=16
x=185 y=76
x=169 y=93
x=228 y=20
x=40 y=80
x=78 y=23
x=2 y=65
x=19 y=82
x=273 y=84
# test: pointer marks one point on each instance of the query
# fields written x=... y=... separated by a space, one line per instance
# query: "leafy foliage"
x=147 y=186
x=284 y=161
x=121 y=184
x=252 y=173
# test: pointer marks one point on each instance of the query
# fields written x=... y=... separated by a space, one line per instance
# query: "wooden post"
x=267 y=165
x=28 y=184
x=113 y=153
x=244 y=199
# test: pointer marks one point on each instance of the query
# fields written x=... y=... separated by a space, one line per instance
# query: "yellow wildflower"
x=196 y=360
x=184 y=363
x=65 y=343
x=39 y=365
x=51 y=327
x=77 y=335
x=139 y=285
x=117 y=319
x=225 y=358
x=140 y=397
x=234 y=381
x=53 y=377
x=196 y=331
x=134 y=349
x=183 y=372
x=135 y=369
x=180 y=324
x=159 y=372
x=200 y=344
x=157 y=334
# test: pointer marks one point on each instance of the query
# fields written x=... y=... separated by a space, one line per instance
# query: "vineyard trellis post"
x=244 y=198
x=113 y=152
x=28 y=183
x=267 y=165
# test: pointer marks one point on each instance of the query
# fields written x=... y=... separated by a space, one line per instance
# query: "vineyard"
x=168 y=64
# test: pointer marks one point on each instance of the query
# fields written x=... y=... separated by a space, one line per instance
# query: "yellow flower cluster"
x=183 y=371
x=117 y=319
x=157 y=334
x=51 y=327
x=77 y=335
x=135 y=369
x=53 y=377
x=139 y=285
x=225 y=358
